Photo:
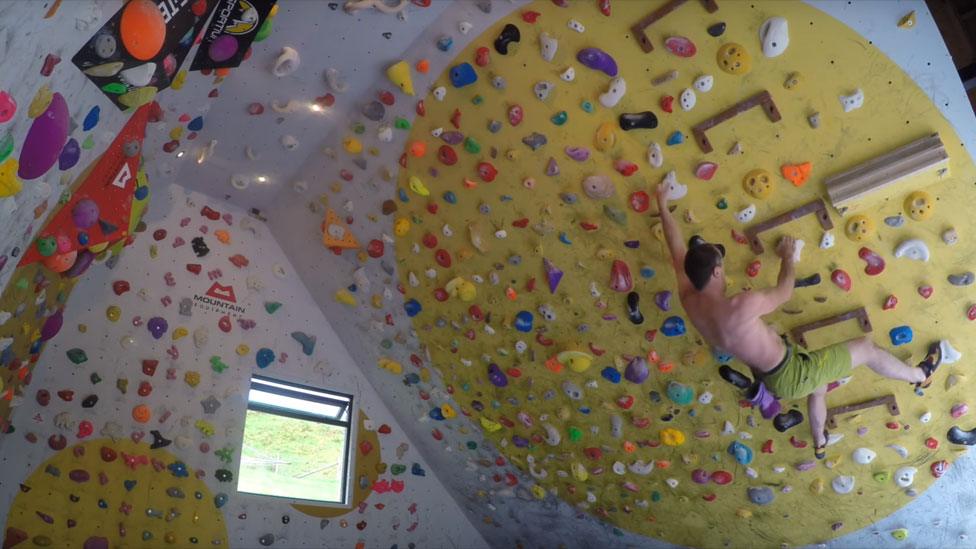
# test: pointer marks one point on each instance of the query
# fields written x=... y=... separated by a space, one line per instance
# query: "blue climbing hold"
x=673 y=326
x=445 y=43
x=220 y=500
x=647 y=272
x=450 y=197
x=412 y=307
x=436 y=413
x=416 y=469
x=411 y=379
x=680 y=394
x=307 y=342
x=462 y=75
x=900 y=335
x=721 y=356
x=178 y=468
x=264 y=357
x=129 y=485
x=402 y=195
x=676 y=138
x=91 y=119
x=196 y=124
x=142 y=192
x=523 y=321
x=611 y=374
x=564 y=238
x=741 y=452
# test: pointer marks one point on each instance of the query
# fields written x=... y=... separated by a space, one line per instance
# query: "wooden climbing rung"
x=887 y=401
x=762 y=98
x=799 y=333
x=927 y=153
x=639 y=27
x=816 y=206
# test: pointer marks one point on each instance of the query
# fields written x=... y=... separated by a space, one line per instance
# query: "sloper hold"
x=335 y=233
x=553 y=275
x=399 y=74
x=307 y=342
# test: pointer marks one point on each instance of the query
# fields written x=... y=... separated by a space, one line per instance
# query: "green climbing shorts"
x=802 y=373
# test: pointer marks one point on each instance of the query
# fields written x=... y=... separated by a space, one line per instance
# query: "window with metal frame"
x=297 y=442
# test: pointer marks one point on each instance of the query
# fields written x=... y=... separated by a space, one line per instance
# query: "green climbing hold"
x=265 y=30
x=471 y=145
x=655 y=496
x=401 y=123
x=472 y=445
x=359 y=128
x=615 y=214
x=560 y=118
x=900 y=534
x=77 y=356
x=115 y=88
x=575 y=434
x=217 y=364
x=386 y=344
x=465 y=386
x=6 y=145
x=95 y=378
x=271 y=306
x=586 y=106
x=477 y=100
x=721 y=204
x=88 y=143
x=398 y=468
x=21 y=284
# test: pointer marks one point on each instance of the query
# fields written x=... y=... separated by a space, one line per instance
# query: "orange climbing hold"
x=797 y=174
x=335 y=233
x=423 y=66
x=418 y=149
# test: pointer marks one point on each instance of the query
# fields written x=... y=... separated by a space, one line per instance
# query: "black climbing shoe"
x=820 y=450
x=811 y=280
x=734 y=377
x=930 y=365
x=784 y=422
x=633 y=308
x=958 y=436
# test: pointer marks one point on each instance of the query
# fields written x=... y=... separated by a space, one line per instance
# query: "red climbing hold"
x=515 y=114
x=429 y=240
x=487 y=172
x=667 y=103
x=626 y=168
x=841 y=279
x=971 y=313
x=387 y=98
x=521 y=223
x=640 y=201
x=767 y=447
x=443 y=258
x=66 y=395
x=625 y=402
x=421 y=108
x=620 y=278
x=890 y=302
x=440 y=294
x=875 y=263
x=753 y=269
x=120 y=287
x=456 y=118
x=604 y=6
x=446 y=155
x=530 y=16
x=925 y=291
x=482 y=56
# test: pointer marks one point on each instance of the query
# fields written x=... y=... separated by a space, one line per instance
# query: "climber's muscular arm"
x=674 y=239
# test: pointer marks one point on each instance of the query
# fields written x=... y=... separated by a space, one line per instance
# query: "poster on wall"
x=139 y=50
x=234 y=26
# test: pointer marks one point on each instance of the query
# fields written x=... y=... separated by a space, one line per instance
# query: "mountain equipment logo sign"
x=219 y=298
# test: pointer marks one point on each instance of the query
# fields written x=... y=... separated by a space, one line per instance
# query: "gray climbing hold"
x=894 y=220
x=494 y=126
x=569 y=198
x=761 y=495
x=267 y=540
x=374 y=110
x=962 y=279
x=210 y=405
x=307 y=342
x=535 y=140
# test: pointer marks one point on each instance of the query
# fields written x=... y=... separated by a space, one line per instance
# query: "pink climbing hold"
x=706 y=170
x=515 y=114
x=925 y=291
x=890 y=302
x=680 y=46
x=959 y=410
x=8 y=107
x=875 y=263
x=841 y=279
x=620 y=278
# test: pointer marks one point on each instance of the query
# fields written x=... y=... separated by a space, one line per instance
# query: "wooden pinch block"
x=762 y=98
x=639 y=27
x=884 y=170
x=815 y=206
x=887 y=401
x=860 y=313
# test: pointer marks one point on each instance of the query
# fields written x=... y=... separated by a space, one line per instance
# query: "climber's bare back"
x=731 y=324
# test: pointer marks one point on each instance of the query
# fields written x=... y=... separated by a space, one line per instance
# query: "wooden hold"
x=882 y=171
x=816 y=206
x=887 y=401
x=762 y=98
x=860 y=313
x=639 y=27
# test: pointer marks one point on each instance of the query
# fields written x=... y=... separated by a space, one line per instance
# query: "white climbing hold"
x=900 y=450
x=672 y=482
x=440 y=92
x=905 y=476
x=140 y=75
x=654 y=155
x=239 y=181
x=950 y=236
x=542 y=89
x=913 y=248
x=704 y=83
x=552 y=435
x=548 y=46
x=843 y=484
x=774 y=34
x=728 y=428
x=575 y=25
x=735 y=150
x=798 y=250
x=925 y=417
x=568 y=75
x=864 y=456
x=674 y=190
x=615 y=92
x=853 y=101
x=286 y=63
x=705 y=398
x=465 y=27
x=687 y=99
x=949 y=353
x=746 y=214
x=335 y=80
x=827 y=240
x=385 y=133
x=437 y=132
x=640 y=468
x=289 y=142
x=619 y=468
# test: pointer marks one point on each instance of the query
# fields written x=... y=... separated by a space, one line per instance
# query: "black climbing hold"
x=633 y=308
x=734 y=377
x=811 y=280
x=783 y=422
x=637 y=120
x=958 y=436
x=106 y=227
x=89 y=401
x=508 y=35
x=387 y=35
x=718 y=29
x=285 y=519
x=200 y=247
x=158 y=440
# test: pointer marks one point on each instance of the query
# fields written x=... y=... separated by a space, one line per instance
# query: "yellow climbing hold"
x=577 y=361
x=179 y=80
x=243 y=350
x=176 y=132
x=9 y=182
x=859 y=228
x=817 y=487
x=606 y=137
x=672 y=437
x=399 y=74
x=113 y=313
x=448 y=411
x=180 y=332
x=352 y=145
x=919 y=205
x=489 y=425
x=900 y=534
x=417 y=186
x=391 y=366
x=579 y=472
x=346 y=298
x=744 y=513
x=205 y=427
x=538 y=491
x=192 y=378
x=461 y=289
x=40 y=102
x=376 y=301
x=138 y=97
x=908 y=21
x=401 y=226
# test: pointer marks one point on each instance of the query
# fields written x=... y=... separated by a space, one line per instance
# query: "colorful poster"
x=139 y=50
x=234 y=26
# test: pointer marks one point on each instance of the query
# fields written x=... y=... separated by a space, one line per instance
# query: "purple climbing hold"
x=496 y=376
x=95 y=542
x=552 y=169
x=85 y=213
x=579 y=154
x=69 y=155
x=637 y=371
x=663 y=300
x=553 y=275
x=157 y=326
x=597 y=59
x=52 y=325
x=82 y=262
x=452 y=137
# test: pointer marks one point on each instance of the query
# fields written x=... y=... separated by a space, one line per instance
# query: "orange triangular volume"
x=110 y=182
x=336 y=234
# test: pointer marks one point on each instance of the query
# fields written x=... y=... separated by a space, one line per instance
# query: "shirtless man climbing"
x=734 y=324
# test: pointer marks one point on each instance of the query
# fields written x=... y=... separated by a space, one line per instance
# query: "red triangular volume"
x=105 y=194
x=225 y=293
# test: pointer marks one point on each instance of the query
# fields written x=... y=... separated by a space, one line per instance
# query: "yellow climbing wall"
x=521 y=219
x=124 y=502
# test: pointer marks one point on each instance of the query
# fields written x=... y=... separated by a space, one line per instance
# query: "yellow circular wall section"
x=498 y=234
